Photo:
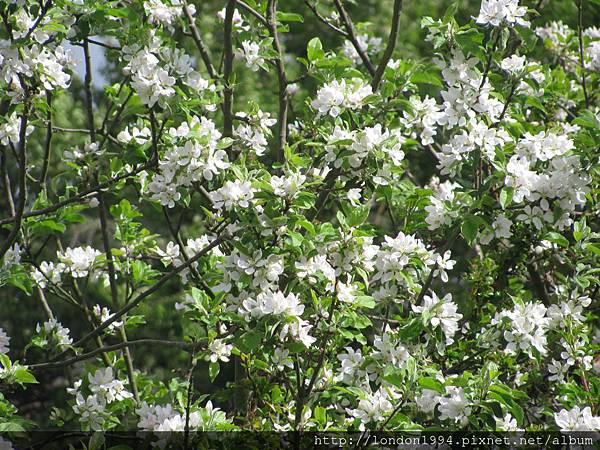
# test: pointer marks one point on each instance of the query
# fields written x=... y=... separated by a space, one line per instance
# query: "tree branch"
x=227 y=71
x=282 y=82
x=353 y=37
x=20 y=207
x=581 y=54
x=391 y=45
x=105 y=349
x=199 y=42
x=79 y=197
x=253 y=12
x=319 y=16
x=159 y=284
x=48 y=143
x=39 y=19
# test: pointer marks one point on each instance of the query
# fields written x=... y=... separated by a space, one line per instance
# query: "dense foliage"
x=299 y=216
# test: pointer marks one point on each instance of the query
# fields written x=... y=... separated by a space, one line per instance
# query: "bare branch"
x=324 y=20
x=199 y=43
x=228 y=70
x=20 y=207
x=391 y=45
x=353 y=37
x=282 y=81
x=254 y=12
x=581 y=54
x=108 y=348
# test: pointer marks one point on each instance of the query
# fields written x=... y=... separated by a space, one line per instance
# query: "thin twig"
x=105 y=349
x=429 y=280
x=39 y=19
x=154 y=288
x=188 y=405
x=324 y=20
x=80 y=197
x=227 y=71
x=48 y=143
x=353 y=37
x=581 y=55
x=252 y=11
x=199 y=43
x=391 y=45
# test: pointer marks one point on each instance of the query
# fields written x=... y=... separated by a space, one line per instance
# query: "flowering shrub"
x=341 y=237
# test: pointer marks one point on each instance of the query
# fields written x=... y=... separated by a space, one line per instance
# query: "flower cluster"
x=337 y=95
x=155 y=70
x=167 y=419
x=252 y=132
x=104 y=389
x=496 y=12
x=193 y=157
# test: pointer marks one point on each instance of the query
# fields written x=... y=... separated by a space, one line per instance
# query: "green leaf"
x=307 y=226
x=320 y=415
x=588 y=120
x=96 y=441
x=48 y=226
x=580 y=230
x=432 y=383
x=592 y=248
x=250 y=340
x=289 y=17
x=411 y=330
x=506 y=196
x=395 y=379
x=426 y=78
x=341 y=219
x=5 y=361
x=314 y=50
x=557 y=239
x=358 y=216
x=23 y=376
x=225 y=142
x=470 y=228
x=532 y=101
x=294 y=238
x=365 y=301
x=213 y=370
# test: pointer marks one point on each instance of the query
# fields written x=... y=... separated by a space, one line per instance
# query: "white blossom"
x=495 y=12
x=337 y=95
x=219 y=351
x=374 y=408
x=103 y=314
x=577 y=419
x=287 y=186
x=513 y=64
x=440 y=312
x=454 y=406
x=368 y=44
x=526 y=328
x=250 y=51
x=79 y=261
x=233 y=194
x=54 y=329
x=104 y=384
